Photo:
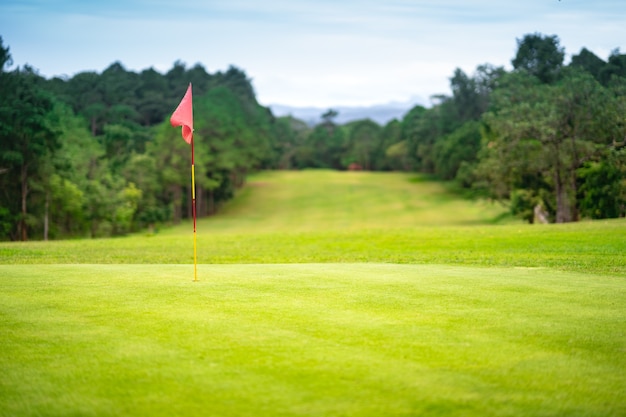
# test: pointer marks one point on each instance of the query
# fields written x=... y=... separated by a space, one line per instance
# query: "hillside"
x=324 y=199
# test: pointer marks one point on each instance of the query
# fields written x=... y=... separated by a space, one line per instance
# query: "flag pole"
x=183 y=116
x=193 y=211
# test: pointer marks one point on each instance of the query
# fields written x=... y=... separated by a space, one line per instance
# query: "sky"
x=320 y=53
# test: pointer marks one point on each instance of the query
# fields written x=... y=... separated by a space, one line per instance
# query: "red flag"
x=183 y=116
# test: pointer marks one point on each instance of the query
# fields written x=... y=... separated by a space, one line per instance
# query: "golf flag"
x=183 y=116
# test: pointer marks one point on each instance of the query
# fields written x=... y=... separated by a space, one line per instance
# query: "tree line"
x=545 y=137
x=94 y=154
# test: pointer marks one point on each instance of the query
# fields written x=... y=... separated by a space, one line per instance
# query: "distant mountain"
x=380 y=113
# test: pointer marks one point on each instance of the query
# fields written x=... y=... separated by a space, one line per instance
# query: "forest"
x=94 y=155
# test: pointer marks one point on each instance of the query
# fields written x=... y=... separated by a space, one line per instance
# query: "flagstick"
x=183 y=116
x=193 y=211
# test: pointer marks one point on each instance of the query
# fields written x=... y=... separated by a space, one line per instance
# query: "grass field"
x=321 y=294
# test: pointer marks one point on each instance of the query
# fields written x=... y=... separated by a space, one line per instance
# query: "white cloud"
x=323 y=53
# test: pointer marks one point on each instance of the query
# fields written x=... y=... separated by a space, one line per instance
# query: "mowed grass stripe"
x=310 y=339
x=598 y=247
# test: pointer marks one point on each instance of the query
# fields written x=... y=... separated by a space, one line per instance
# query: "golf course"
x=321 y=293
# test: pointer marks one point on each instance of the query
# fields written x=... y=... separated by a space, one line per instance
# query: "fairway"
x=388 y=297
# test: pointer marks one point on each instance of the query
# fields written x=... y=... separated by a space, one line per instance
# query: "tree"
x=152 y=105
x=27 y=138
x=329 y=116
x=404 y=151
x=84 y=93
x=5 y=57
x=236 y=81
x=423 y=131
x=364 y=143
x=460 y=146
x=119 y=87
x=141 y=171
x=546 y=134
x=615 y=67
x=602 y=187
x=540 y=56
x=326 y=143
x=74 y=163
x=590 y=62
x=290 y=134
x=469 y=105
x=390 y=135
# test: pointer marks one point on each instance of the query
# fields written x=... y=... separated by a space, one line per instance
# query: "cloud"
x=320 y=53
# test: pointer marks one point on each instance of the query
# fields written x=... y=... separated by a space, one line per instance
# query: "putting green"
x=310 y=339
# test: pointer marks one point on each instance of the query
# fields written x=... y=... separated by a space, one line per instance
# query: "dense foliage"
x=94 y=154
x=546 y=138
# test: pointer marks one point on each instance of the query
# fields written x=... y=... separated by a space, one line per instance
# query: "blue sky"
x=305 y=53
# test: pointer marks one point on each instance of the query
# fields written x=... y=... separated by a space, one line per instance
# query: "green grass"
x=314 y=199
x=389 y=297
x=310 y=339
